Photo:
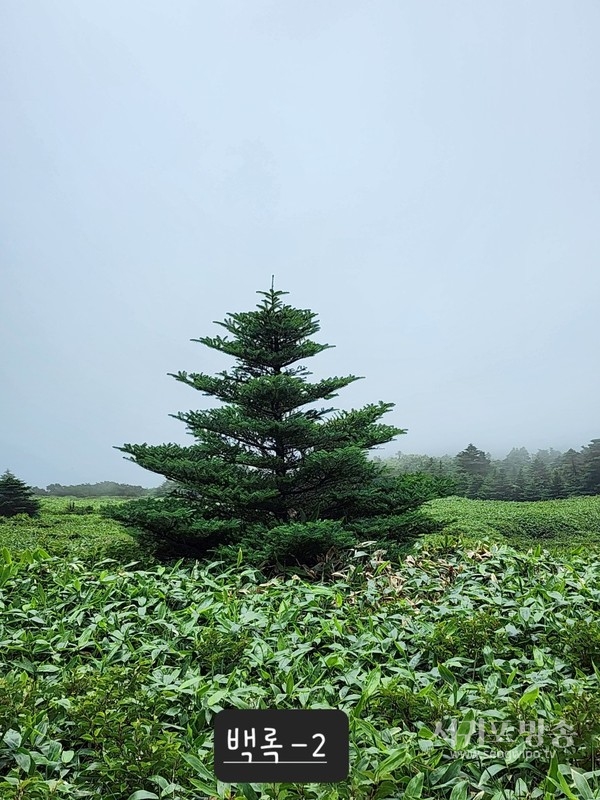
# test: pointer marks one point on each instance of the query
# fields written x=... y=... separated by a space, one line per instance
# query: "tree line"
x=102 y=489
x=521 y=476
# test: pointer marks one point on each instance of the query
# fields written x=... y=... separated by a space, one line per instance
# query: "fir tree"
x=473 y=461
x=264 y=462
x=16 y=497
x=473 y=466
x=517 y=458
x=572 y=468
x=557 y=485
x=495 y=485
x=591 y=468
x=538 y=480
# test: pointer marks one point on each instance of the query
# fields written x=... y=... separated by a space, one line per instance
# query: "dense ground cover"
x=467 y=671
x=74 y=526
x=561 y=526
x=70 y=527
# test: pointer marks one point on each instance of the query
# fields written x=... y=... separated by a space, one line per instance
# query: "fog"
x=425 y=177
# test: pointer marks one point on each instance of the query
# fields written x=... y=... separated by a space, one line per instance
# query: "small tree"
x=266 y=469
x=16 y=497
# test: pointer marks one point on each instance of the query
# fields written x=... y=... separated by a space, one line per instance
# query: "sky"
x=425 y=177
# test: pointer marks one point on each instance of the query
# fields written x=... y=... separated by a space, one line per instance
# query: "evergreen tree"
x=550 y=457
x=265 y=464
x=518 y=458
x=572 y=468
x=496 y=485
x=557 y=485
x=472 y=466
x=537 y=480
x=591 y=468
x=16 y=497
x=473 y=461
x=519 y=486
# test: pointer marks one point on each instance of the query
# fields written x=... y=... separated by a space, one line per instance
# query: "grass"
x=468 y=671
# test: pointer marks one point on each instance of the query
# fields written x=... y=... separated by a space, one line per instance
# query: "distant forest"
x=521 y=476
x=103 y=489
x=547 y=475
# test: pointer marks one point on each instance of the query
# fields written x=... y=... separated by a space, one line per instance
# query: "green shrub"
x=398 y=704
x=465 y=636
x=219 y=652
x=304 y=544
x=579 y=644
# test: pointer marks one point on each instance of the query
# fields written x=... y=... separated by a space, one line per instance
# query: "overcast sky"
x=423 y=176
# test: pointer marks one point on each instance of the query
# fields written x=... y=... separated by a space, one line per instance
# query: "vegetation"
x=466 y=656
x=549 y=475
x=72 y=529
x=16 y=497
x=102 y=489
x=470 y=673
x=268 y=471
x=561 y=526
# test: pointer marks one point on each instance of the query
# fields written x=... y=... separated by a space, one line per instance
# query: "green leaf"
x=464 y=732
x=515 y=754
x=565 y=786
x=214 y=699
x=396 y=759
x=142 y=794
x=23 y=760
x=459 y=792
x=12 y=739
x=207 y=788
x=414 y=788
x=289 y=683
x=195 y=762
x=248 y=791
x=161 y=782
x=582 y=785
x=530 y=696
x=447 y=676
x=372 y=683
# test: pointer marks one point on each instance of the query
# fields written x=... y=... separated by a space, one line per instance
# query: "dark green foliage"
x=398 y=704
x=591 y=468
x=537 y=485
x=582 y=713
x=579 y=643
x=474 y=462
x=16 y=497
x=466 y=636
x=268 y=457
x=217 y=652
x=549 y=475
x=110 y=678
x=303 y=543
x=572 y=472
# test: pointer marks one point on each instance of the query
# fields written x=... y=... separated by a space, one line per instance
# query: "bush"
x=305 y=543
